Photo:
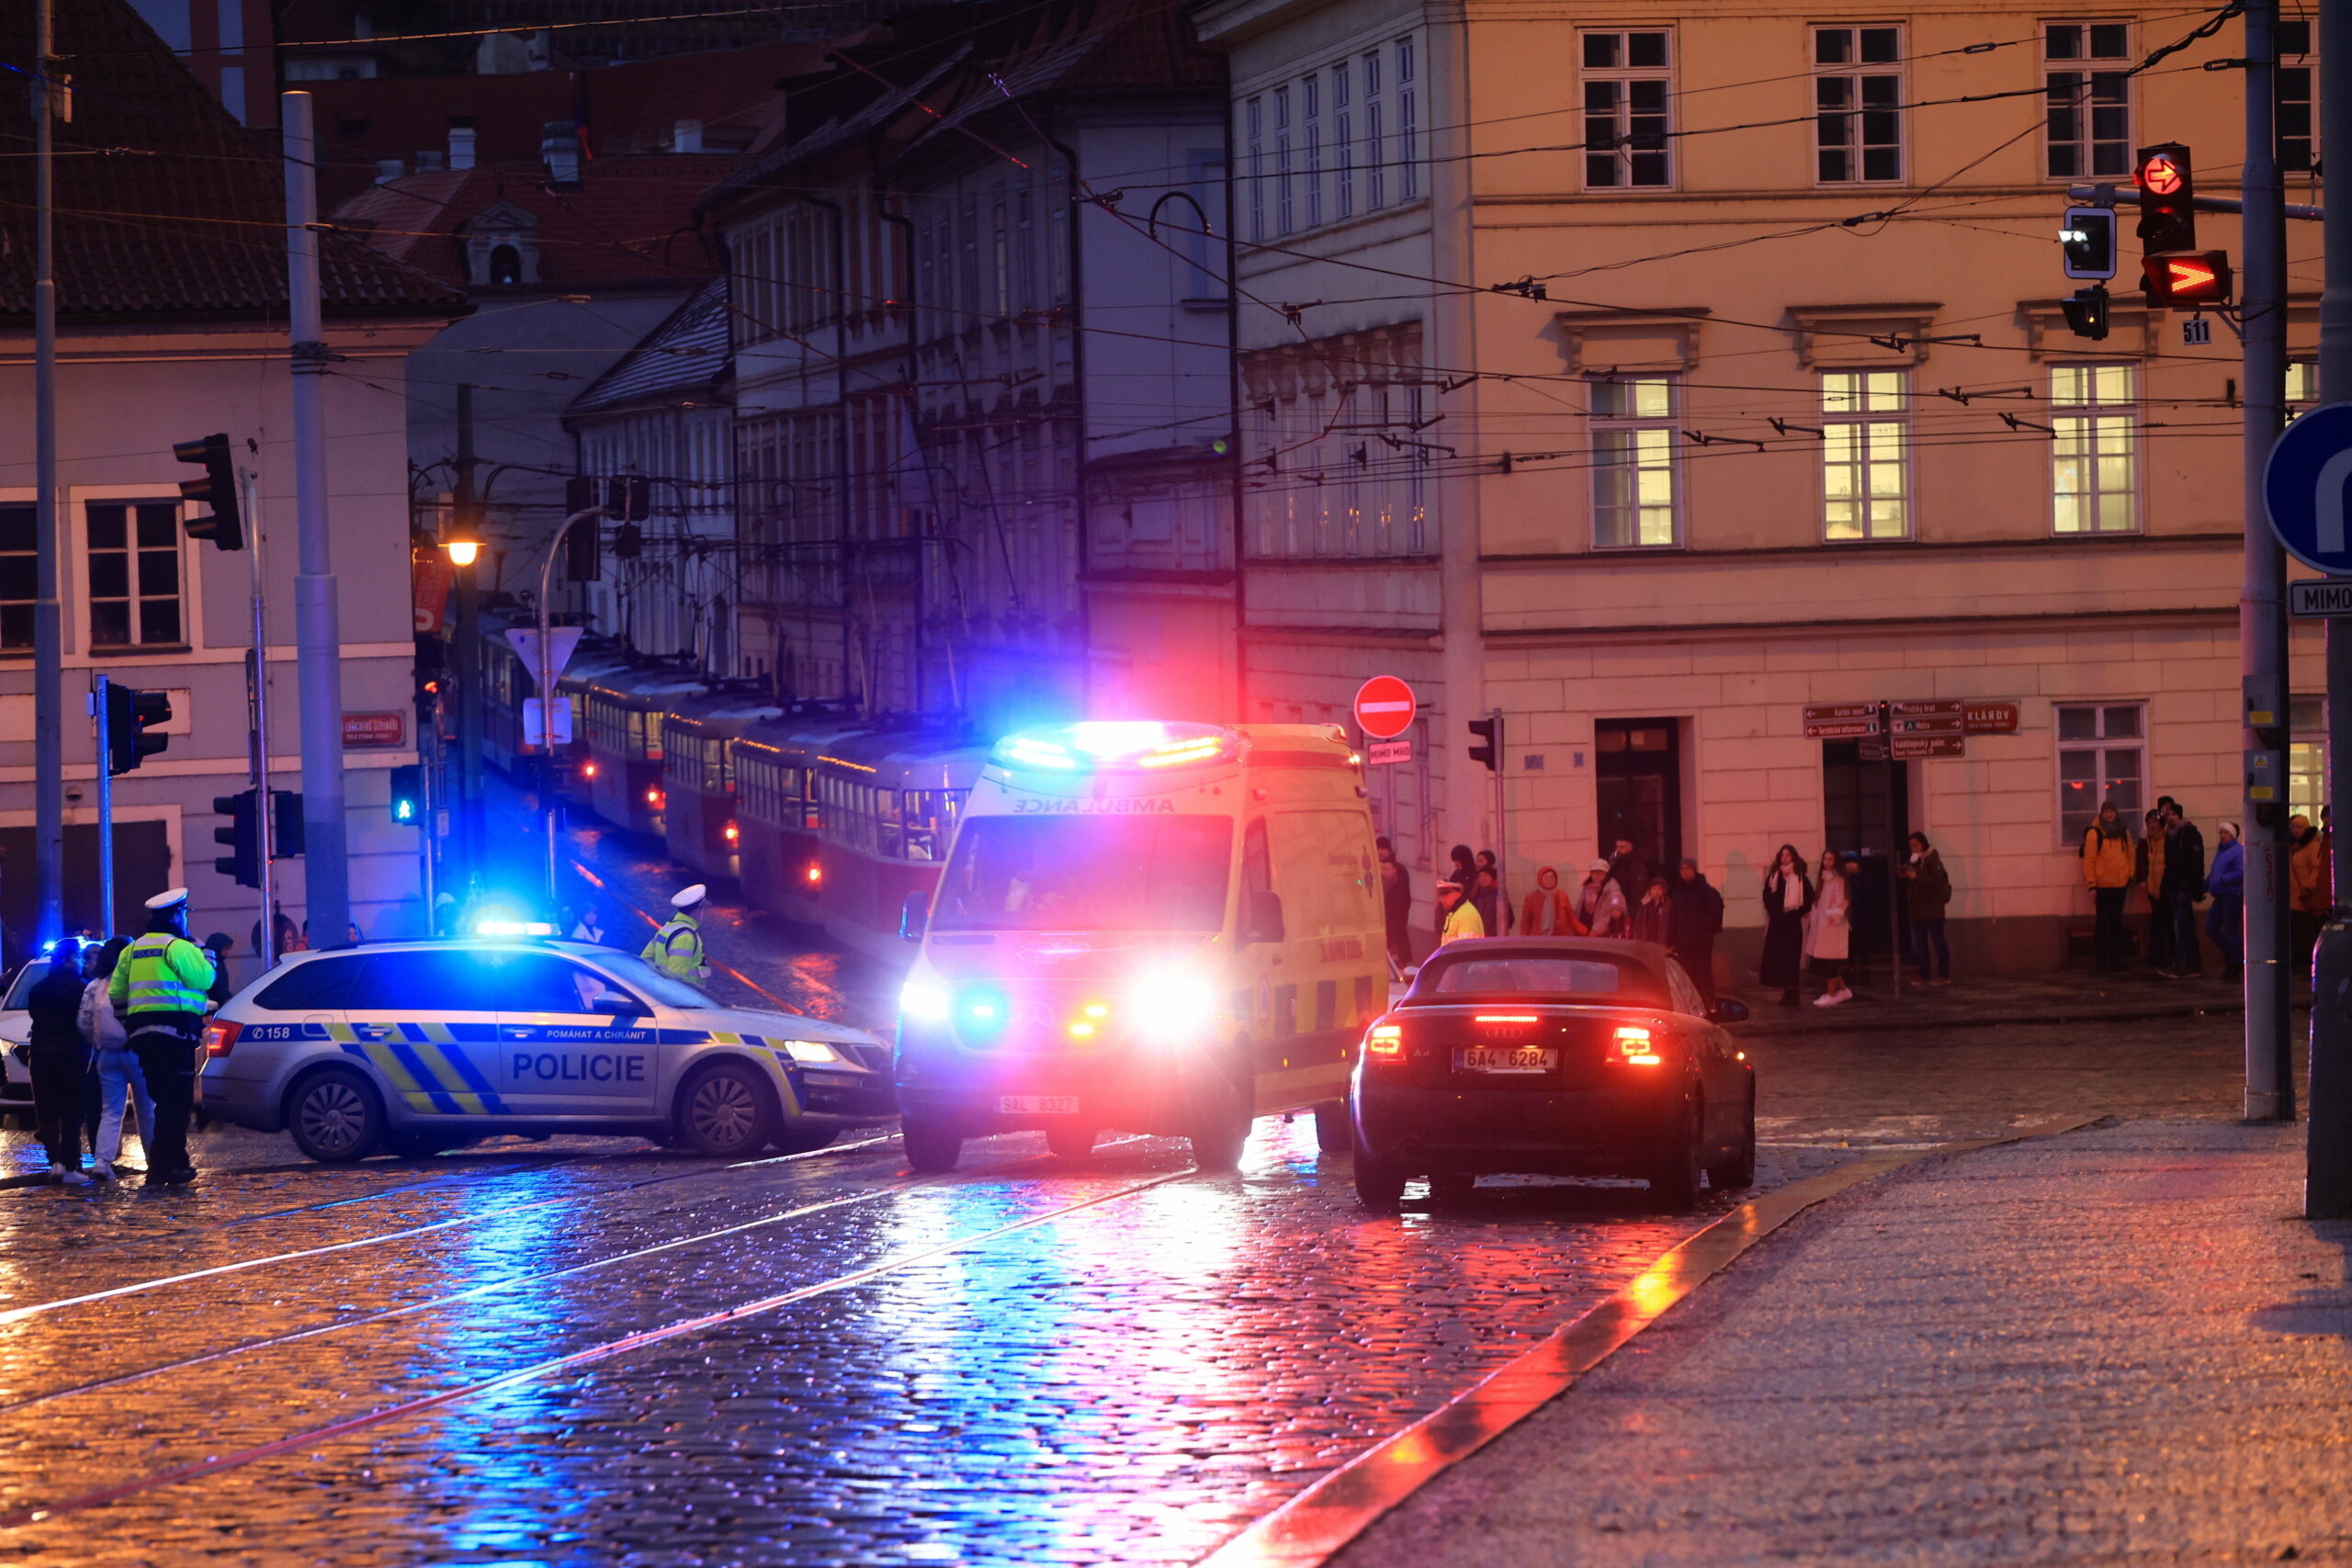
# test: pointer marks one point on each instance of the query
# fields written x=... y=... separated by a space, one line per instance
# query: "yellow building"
x=1651 y=379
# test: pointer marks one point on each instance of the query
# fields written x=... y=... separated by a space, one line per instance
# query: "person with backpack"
x=1930 y=887
x=2110 y=860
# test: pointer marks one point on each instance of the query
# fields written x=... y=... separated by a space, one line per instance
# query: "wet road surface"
x=589 y=1350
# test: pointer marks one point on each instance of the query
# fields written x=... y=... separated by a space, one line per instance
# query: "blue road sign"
x=2305 y=485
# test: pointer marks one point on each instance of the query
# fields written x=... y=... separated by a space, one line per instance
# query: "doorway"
x=1637 y=777
x=142 y=868
x=1866 y=813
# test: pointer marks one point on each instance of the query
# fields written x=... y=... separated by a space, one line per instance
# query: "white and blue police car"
x=413 y=1047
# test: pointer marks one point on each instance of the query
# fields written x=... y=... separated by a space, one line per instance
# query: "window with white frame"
x=2086 y=72
x=1282 y=216
x=1375 y=150
x=1858 y=104
x=1865 y=454
x=1633 y=437
x=1253 y=117
x=1310 y=89
x=2302 y=384
x=1343 y=146
x=2298 y=132
x=2306 y=755
x=134 y=567
x=2102 y=756
x=19 y=575
x=1409 y=115
x=2095 y=453
x=1627 y=83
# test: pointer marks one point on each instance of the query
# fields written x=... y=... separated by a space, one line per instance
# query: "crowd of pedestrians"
x=2164 y=872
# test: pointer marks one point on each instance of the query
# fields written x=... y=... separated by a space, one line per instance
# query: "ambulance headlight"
x=811 y=1051
x=1172 y=1006
x=923 y=999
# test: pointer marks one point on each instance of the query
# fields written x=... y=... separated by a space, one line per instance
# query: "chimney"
x=560 y=150
x=686 y=136
x=462 y=147
x=388 y=169
x=429 y=161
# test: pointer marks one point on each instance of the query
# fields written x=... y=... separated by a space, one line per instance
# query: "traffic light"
x=286 y=824
x=133 y=722
x=579 y=493
x=2087 y=241
x=628 y=542
x=2167 y=198
x=242 y=836
x=408 y=795
x=2086 y=311
x=1490 y=732
x=217 y=490
x=582 y=559
x=631 y=498
x=2197 y=278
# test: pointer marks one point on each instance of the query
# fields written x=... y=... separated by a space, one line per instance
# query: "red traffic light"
x=2160 y=174
x=2192 y=278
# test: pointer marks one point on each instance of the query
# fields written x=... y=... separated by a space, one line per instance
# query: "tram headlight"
x=1174 y=1006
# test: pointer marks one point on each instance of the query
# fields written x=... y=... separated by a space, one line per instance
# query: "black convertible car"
x=1556 y=1056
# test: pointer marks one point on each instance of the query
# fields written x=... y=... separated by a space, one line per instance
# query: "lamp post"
x=462 y=543
x=547 y=687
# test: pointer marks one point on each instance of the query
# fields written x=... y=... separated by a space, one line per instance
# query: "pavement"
x=2120 y=1345
x=2066 y=997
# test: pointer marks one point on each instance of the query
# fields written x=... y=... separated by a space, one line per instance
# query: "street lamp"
x=462 y=552
x=462 y=540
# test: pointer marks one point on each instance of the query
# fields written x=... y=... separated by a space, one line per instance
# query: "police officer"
x=677 y=946
x=159 y=989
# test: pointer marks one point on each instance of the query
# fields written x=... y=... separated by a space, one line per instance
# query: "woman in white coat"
x=1828 y=932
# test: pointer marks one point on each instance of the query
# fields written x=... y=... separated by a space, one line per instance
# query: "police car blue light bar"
x=513 y=927
x=1099 y=744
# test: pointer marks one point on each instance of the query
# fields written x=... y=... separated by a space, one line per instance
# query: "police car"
x=418 y=1046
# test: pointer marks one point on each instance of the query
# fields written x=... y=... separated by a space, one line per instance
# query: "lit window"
x=1633 y=436
x=2089 y=123
x=2095 y=464
x=2306 y=755
x=1626 y=84
x=1866 y=461
x=2102 y=756
x=134 y=573
x=2302 y=384
x=1858 y=104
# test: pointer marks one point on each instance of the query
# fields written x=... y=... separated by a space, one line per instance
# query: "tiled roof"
x=167 y=206
x=685 y=357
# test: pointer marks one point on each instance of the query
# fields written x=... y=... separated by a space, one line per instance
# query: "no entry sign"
x=1384 y=706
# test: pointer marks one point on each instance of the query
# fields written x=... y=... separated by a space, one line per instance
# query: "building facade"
x=1662 y=379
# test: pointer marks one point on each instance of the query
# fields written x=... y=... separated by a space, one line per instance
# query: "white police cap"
x=171 y=899
x=687 y=898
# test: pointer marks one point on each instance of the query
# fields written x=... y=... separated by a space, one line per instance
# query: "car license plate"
x=1505 y=1059
x=1037 y=1105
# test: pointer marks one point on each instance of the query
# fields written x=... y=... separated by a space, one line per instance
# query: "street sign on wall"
x=1920 y=728
x=1991 y=718
x=2320 y=596
x=1841 y=721
x=1381 y=753
x=1385 y=707
x=364 y=731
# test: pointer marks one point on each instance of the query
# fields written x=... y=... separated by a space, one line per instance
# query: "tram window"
x=888 y=823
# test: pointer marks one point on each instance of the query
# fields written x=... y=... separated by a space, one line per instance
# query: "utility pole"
x=465 y=661
x=318 y=634
x=2262 y=619
x=248 y=498
x=1502 y=831
x=2328 y=1179
x=106 y=807
x=548 y=671
x=49 y=639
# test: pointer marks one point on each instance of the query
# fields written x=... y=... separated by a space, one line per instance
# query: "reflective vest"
x=1463 y=921
x=676 y=947
x=161 y=973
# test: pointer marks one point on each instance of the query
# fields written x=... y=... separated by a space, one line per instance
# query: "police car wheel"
x=1070 y=1142
x=933 y=1147
x=724 y=1111
x=335 y=1117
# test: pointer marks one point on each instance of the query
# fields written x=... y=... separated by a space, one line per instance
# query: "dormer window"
x=501 y=246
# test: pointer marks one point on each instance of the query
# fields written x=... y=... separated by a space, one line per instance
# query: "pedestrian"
x=1485 y=896
x=1395 y=906
x=2151 y=867
x=590 y=927
x=117 y=1069
x=1652 y=916
x=2183 y=885
x=1788 y=900
x=1458 y=919
x=677 y=946
x=1930 y=899
x=2225 y=920
x=284 y=935
x=1828 y=932
x=218 y=946
x=1498 y=907
x=158 y=989
x=2307 y=870
x=1698 y=915
x=1463 y=872
x=1600 y=903
x=1549 y=911
x=1629 y=870
x=59 y=1061
x=2108 y=862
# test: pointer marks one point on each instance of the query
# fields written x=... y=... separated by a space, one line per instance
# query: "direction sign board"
x=1384 y=706
x=2303 y=487
x=2320 y=596
x=1919 y=748
x=1942 y=717
x=1840 y=721
x=1990 y=719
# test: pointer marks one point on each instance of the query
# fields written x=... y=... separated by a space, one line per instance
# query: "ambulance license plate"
x=1505 y=1059
x=1037 y=1105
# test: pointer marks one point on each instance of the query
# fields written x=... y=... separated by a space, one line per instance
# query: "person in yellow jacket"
x=1461 y=917
x=2157 y=953
x=2311 y=896
x=677 y=946
x=2110 y=860
x=159 y=990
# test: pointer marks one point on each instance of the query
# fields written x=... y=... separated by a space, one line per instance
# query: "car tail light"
x=1634 y=1046
x=1385 y=1043
x=220 y=1039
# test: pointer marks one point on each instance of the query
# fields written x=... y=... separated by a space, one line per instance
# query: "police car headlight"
x=812 y=1052
x=1174 y=1006
x=921 y=998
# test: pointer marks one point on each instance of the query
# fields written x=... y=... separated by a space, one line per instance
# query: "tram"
x=698 y=776
x=623 y=769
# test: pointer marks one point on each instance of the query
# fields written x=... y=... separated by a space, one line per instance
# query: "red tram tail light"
x=1635 y=1047
x=734 y=834
x=653 y=798
x=220 y=1039
x=587 y=770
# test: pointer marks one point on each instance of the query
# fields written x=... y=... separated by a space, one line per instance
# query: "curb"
x=1318 y=1523
x=1866 y=1023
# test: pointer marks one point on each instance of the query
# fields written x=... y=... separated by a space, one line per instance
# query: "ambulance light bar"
x=1098 y=744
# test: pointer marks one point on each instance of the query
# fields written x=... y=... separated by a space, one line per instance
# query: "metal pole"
x=1502 y=837
x=465 y=665
x=249 y=497
x=1894 y=853
x=106 y=809
x=49 y=629
x=2262 y=620
x=318 y=637
x=2327 y=1187
x=547 y=691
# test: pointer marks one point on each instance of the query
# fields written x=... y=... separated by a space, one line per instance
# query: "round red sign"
x=1384 y=706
